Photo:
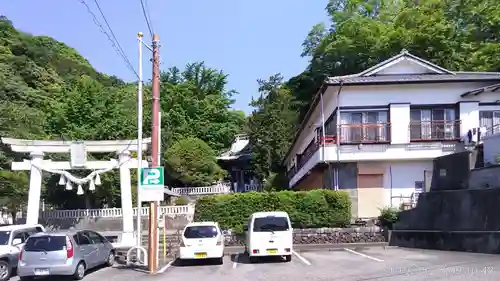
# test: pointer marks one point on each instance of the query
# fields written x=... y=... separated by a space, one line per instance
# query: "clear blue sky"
x=246 y=39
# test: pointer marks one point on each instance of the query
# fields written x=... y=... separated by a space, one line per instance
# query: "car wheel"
x=288 y=258
x=5 y=270
x=110 y=261
x=79 y=271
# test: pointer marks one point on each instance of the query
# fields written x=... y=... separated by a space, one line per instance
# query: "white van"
x=269 y=234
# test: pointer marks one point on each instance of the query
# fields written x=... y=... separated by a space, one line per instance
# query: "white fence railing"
x=203 y=190
x=115 y=212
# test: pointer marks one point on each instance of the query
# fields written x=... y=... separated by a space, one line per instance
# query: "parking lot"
x=347 y=264
x=116 y=273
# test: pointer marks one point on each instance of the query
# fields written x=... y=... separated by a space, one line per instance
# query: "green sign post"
x=152 y=184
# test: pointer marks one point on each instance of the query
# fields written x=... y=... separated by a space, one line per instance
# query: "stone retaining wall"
x=324 y=236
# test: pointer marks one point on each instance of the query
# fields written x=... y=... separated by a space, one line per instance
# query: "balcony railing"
x=364 y=133
x=435 y=130
x=308 y=153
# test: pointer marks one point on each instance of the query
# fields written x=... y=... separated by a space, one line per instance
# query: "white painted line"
x=165 y=267
x=301 y=258
x=363 y=255
x=236 y=259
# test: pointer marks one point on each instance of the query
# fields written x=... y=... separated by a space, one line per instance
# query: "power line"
x=116 y=45
x=147 y=16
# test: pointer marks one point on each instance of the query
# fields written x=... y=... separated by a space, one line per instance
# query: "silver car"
x=64 y=253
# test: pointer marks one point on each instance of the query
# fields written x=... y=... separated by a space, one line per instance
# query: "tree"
x=49 y=91
x=197 y=104
x=191 y=162
x=271 y=126
x=13 y=190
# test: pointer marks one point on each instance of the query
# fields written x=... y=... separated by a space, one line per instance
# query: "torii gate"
x=78 y=151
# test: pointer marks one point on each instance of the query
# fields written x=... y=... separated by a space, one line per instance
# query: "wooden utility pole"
x=155 y=143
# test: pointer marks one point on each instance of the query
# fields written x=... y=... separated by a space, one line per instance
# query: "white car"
x=202 y=240
x=269 y=234
x=12 y=239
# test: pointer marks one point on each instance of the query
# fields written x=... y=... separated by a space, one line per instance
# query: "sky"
x=248 y=40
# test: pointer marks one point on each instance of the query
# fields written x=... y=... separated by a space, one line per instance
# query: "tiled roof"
x=383 y=79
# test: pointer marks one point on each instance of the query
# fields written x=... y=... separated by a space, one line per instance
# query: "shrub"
x=181 y=201
x=388 y=216
x=317 y=208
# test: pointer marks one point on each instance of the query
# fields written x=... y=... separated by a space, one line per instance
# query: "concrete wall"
x=451 y=172
x=487 y=177
x=454 y=215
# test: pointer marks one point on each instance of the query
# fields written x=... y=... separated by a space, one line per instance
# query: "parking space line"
x=362 y=255
x=236 y=259
x=165 y=267
x=301 y=258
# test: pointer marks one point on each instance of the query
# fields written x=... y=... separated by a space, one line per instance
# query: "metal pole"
x=153 y=208
x=139 y=145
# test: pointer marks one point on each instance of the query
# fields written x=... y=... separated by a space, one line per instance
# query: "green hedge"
x=313 y=209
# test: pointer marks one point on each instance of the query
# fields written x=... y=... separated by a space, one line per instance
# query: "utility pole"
x=155 y=130
x=139 y=151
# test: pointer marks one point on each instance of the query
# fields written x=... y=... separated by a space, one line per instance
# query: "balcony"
x=367 y=133
x=437 y=130
x=307 y=154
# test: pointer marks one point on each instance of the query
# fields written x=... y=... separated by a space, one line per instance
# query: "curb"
x=316 y=247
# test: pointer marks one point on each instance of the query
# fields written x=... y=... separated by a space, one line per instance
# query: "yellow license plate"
x=272 y=251
x=200 y=255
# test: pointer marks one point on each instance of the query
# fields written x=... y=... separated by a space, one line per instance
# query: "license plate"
x=200 y=255
x=41 y=271
x=272 y=251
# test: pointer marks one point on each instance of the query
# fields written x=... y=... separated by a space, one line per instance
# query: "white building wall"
x=394 y=96
x=400 y=178
x=399 y=114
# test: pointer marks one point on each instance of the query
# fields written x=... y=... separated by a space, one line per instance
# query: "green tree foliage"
x=318 y=208
x=14 y=190
x=192 y=162
x=49 y=91
x=271 y=126
x=196 y=103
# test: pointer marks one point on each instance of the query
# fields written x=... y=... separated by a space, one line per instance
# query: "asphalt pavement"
x=353 y=264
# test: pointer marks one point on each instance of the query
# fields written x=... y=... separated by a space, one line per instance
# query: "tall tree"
x=271 y=126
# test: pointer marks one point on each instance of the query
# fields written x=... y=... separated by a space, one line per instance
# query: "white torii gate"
x=37 y=149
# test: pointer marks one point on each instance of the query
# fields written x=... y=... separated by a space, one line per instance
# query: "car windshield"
x=201 y=231
x=4 y=237
x=45 y=243
x=270 y=224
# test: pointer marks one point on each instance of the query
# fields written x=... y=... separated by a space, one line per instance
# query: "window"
x=434 y=124
x=45 y=243
x=83 y=239
x=94 y=237
x=201 y=231
x=490 y=120
x=270 y=224
x=4 y=237
x=367 y=126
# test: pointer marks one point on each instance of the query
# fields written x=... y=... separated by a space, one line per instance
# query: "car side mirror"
x=17 y=241
x=245 y=228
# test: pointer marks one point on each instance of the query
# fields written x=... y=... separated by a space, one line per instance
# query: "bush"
x=388 y=216
x=181 y=201
x=317 y=208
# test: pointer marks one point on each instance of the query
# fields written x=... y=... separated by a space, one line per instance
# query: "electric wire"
x=147 y=16
x=116 y=45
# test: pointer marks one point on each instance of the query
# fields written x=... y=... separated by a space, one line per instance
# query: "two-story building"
x=374 y=134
